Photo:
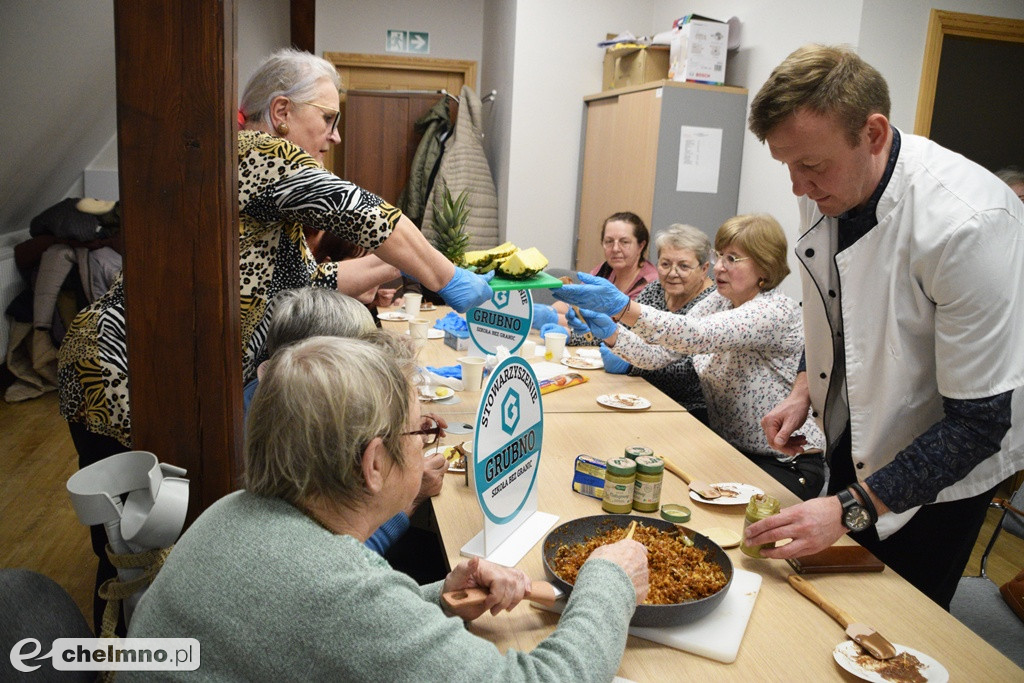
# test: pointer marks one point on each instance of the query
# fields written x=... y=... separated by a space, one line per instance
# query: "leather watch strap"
x=868 y=503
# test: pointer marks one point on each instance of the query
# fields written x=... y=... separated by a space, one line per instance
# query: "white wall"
x=557 y=63
x=497 y=73
x=455 y=26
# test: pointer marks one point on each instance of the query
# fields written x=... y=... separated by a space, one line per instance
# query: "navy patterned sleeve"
x=970 y=432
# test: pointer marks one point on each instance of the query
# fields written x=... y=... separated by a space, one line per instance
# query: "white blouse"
x=746 y=358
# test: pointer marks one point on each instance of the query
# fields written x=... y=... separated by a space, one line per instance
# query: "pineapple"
x=523 y=264
x=450 y=217
x=484 y=260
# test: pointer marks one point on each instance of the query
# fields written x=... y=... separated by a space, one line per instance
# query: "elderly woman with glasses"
x=683 y=263
x=298 y=314
x=747 y=338
x=276 y=583
x=290 y=109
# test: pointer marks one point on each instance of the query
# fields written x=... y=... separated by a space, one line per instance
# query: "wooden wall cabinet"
x=631 y=152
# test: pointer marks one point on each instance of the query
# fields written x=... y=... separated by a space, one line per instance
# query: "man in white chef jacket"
x=912 y=268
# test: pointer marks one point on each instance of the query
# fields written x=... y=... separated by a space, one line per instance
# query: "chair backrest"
x=1013 y=522
x=35 y=606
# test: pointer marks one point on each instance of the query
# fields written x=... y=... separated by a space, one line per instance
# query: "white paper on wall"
x=700 y=155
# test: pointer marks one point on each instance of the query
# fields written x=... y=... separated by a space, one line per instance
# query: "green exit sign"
x=412 y=42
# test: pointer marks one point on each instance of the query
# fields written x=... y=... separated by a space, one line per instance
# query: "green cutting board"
x=539 y=281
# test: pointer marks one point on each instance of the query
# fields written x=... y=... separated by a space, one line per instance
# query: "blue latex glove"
x=601 y=325
x=553 y=327
x=466 y=290
x=612 y=363
x=595 y=293
x=577 y=325
x=542 y=315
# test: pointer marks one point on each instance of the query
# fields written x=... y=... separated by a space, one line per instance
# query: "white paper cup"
x=472 y=372
x=528 y=350
x=554 y=346
x=412 y=304
x=418 y=328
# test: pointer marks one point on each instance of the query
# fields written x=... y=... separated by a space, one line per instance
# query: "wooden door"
x=971 y=83
x=381 y=140
x=388 y=94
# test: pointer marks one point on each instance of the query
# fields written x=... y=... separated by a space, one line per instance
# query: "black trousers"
x=932 y=549
x=91 y=449
x=804 y=476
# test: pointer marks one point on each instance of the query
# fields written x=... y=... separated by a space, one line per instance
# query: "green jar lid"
x=622 y=467
x=649 y=464
x=675 y=513
x=634 y=452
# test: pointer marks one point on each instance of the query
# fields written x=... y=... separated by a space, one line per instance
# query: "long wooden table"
x=788 y=638
x=581 y=398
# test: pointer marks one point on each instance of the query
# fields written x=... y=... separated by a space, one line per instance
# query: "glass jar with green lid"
x=618 y=486
x=634 y=452
x=650 y=470
x=760 y=506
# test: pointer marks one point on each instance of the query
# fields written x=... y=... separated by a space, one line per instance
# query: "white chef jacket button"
x=832 y=293
x=823 y=375
x=814 y=414
x=860 y=466
x=809 y=253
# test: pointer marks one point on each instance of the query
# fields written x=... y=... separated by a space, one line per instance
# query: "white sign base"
x=515 y=547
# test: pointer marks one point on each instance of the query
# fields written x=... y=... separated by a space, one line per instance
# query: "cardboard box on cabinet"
x=698 y=50
x=634 y=65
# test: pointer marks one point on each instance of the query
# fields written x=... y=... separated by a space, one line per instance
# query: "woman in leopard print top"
x=290 y=108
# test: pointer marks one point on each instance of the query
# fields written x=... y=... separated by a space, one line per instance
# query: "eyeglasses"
x=729 y=260
x=335 y=112
x=683 y=269
x=623 y=243
x=430 y=432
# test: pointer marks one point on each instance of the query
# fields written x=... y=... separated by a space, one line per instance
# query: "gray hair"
x=319 y=405
x=1011 y=175
x=680 y=236
x=290 y=73
x=298 y=314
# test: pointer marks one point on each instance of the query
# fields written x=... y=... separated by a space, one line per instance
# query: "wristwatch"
x=856 y=517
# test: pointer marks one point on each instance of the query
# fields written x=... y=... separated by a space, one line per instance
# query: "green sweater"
x=270 y=595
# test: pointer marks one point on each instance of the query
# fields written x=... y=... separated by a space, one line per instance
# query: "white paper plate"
x=742 y=497
x=624 y=401
x=434 y=392
x=583 y=363
x=433 y=333
x=393 y=315
x=847 y=653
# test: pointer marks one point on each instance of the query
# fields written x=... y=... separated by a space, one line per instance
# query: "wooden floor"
x=39 y=530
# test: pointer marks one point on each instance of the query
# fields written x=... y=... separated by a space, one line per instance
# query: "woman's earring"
x=282 y=128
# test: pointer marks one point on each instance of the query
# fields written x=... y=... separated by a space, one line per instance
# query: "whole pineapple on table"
x=450 y=217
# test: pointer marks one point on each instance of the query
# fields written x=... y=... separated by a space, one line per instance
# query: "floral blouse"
x=746 y=359
x=280 y=189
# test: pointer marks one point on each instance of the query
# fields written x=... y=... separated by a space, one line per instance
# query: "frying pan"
x=578 y=530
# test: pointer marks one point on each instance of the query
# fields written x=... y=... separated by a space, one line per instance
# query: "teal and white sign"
x=503 y=321
x=412 y=42
x=505 y=463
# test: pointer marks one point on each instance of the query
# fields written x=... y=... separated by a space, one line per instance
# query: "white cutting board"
x=718 y=635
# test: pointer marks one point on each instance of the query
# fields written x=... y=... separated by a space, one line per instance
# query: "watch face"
x=856 y=518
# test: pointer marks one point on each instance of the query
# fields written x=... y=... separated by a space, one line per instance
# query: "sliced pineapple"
x=487 y=256
x=523 y=264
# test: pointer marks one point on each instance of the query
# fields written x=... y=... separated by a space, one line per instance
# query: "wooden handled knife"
x=868 y=638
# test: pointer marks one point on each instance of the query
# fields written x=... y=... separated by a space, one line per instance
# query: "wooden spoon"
x=541 y=592
x=701 y=488
x=632 y=528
